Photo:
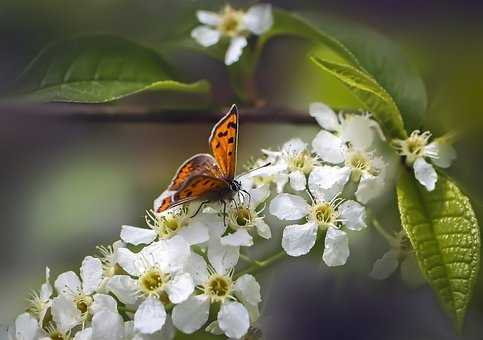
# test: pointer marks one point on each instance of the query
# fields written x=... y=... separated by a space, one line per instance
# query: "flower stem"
x=380 y=229
x=259 y=265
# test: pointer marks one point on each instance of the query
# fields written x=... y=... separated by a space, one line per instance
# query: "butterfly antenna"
x=257 y=168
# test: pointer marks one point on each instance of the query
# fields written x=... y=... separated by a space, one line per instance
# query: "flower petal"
x=298 y=239
x=445 y=153
x=358 y=131
x=297 y=180
x=247 y=289
x=425 y=173
x=136 y=236
x=107 y=325
x=222 y=258
x=385 y=266
x=235 y=50
x=129 y=262
x=325 y=116
x=103 y=302
x=241 y=237
x=180 y=288
x=259 y=195
x=150 y=316
x=294 y=146
x=209 y=18
x=190 y=315
x=67 y=283
x=258 y=19
x=124 y=288
x=26 y=327
x=263 y=228
x=353 y=215
x=233 y=319
x=369 y=188
x=329 y=147
x=91 y=274
x=325 y=182
x=205 y=36
x=289 y=207
x=170 y=254
x=336 y=249
x=65 y=313
x=46 y=288
x=85 y=334
x=196 y=266
x=194 y=233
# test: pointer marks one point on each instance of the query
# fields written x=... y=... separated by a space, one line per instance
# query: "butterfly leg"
x=224 y=213
x=199 y=208
x=249 y=196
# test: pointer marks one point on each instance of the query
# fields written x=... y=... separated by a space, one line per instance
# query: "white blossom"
x=418 y=151
x=40 y=302
x=234 y=25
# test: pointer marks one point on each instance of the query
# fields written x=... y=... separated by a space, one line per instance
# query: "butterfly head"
x=235 y=185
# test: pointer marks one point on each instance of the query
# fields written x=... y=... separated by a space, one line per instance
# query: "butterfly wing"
x=223 y=143
x=200 y=164
x=196 y=187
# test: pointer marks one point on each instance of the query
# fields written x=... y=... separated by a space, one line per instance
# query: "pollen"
x=231 y=24
x=153 y=282
x=83 y=302
x=218 y=287
x=413 y=146
x=302 y=161
x=324 y=214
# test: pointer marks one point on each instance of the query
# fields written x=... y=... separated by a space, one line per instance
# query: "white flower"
x=243 y=216
x=330 y=216
x=108 y=257
x=73 y=304
x=176 y=221
x=238 y=298
x=40 y=302
x=235 y=25
x=26 y=327
x=417 y=149
x=159 y=279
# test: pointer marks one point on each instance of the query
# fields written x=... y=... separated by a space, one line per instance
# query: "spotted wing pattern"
x=200 y=164
x=223 y=143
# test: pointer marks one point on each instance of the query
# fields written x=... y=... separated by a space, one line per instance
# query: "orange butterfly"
x=204 y=176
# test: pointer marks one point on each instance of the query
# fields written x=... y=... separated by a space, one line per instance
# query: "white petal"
x=190 y=315
x=208 y=18
x=258 y=19
x=336 y=249
x=369 y=188
x=280 y=181
x=180 y=288
x=385 y=266
x=205 y=35
x=233 y=319
x=46 y=288
x=294 y=146
x=297 y=180
x=235 y=50
x=263 y=228
x=124 y=288
x=214 y=223
x=136 y=236
x=103 y=302
x=196 y=266
x=425 y=174
x=26 y=327
x=289 y=207
x=445 y=152
x=259 y=195
x=357 y=130
x=222 y=258
x=329 y=147
x=107 y=325
x=241 y=237
x=170 y=254
x=91 y=274
x=129 y=262
x=298 y=239
x=325 y=182
x=325 y=116
x=150 y=316
x=68 y=283
x=353 y=215
x=195 y=233
x=85 y=334
x=65 y=313
x=247 y=289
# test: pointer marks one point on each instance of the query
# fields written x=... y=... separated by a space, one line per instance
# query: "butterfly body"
x=205 y=176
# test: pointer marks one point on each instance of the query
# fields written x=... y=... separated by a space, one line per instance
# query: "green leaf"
x=384 y=61
x=98 y=69
x=444 y=232
x=371 y=95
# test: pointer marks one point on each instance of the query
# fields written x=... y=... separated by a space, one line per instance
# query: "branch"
x=136 y=114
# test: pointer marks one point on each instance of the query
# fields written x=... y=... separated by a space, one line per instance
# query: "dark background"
x=67 y=185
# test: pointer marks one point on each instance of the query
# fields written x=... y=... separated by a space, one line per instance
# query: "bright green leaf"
x=384 y=61
x=444 y=232
x=98 y=69
x=371 y=95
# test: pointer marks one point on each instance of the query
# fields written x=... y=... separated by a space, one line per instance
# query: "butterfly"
x=205 y=176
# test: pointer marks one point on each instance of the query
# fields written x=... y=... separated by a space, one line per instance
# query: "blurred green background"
x=68 y=185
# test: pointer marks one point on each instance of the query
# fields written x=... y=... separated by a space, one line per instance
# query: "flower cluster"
x=181 y=271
